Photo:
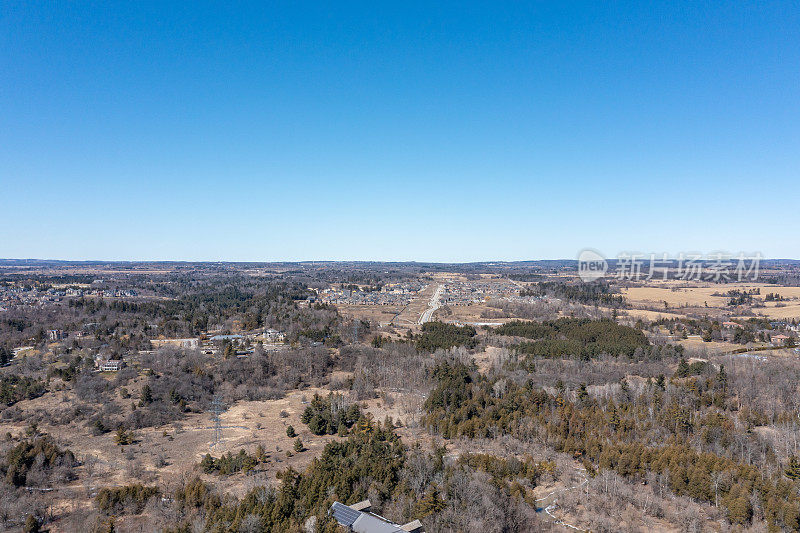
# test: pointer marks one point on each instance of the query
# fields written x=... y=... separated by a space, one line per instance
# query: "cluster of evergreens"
x=330 y=415
x=40 y=452
x=128 y=499
x=373 y=463
x=14 y=388
x=70 y=371
x=228 y=463
x=575 y=337
x=695 y=369
x=438 y=335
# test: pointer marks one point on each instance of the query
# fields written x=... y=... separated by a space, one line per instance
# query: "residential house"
x=779 y=340
x=358 y=518
x=112 y=365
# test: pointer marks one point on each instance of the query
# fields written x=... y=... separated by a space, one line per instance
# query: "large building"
x=358 y=518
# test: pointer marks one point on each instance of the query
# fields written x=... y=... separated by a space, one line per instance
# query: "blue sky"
x=458 y=132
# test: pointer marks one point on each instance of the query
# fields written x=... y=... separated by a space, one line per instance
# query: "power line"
x=216 y=410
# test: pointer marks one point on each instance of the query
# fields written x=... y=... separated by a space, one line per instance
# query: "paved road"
x=433 y=305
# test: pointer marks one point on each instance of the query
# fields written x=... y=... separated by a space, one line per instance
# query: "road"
x=433 y=305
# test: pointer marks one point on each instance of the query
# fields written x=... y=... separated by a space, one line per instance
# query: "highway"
x=432 y=306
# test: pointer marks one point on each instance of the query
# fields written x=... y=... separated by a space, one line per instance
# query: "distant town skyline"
x=470 y=132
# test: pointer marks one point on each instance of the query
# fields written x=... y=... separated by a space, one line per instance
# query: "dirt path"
x=554 y=503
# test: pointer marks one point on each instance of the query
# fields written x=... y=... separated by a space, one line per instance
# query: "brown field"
x=646 y=314
x=695 y=344
x=788 y=311
x=379 y=314
x=678 y=295
x=245 y=425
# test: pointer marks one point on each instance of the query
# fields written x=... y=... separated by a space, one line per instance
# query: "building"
x=226 y=338
x=779 y=340
x=55 y=334
x=112 y=365
x=272 y=335
x=358 y=518
x=189 y=343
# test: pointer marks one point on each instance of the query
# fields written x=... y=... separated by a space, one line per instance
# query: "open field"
x=646 y=314
x=245 y=425
x=783 y=312
x=678 y=294
x=705 y=298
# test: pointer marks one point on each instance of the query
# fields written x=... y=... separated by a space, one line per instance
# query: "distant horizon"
x=410 y=261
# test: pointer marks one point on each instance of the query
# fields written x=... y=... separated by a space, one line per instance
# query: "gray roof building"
x=357 y=518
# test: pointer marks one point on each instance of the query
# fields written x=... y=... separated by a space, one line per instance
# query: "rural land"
x=360 y=396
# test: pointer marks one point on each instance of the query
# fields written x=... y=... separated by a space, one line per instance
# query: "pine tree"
x=793 y=471
x=147 y=395
x=431 y=503
x=31 y=525
x=683 y=369
x=722 y=378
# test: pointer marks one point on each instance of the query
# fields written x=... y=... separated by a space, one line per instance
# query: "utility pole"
x=216 y=410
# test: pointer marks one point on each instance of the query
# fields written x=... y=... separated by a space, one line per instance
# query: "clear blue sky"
x=460 y=132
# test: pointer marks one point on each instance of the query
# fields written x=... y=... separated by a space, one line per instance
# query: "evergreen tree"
x=147 y=395
x=793 y=470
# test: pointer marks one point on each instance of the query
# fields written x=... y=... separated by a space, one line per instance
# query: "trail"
x=554 y=505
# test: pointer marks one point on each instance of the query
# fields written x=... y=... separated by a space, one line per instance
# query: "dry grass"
x=699 y=298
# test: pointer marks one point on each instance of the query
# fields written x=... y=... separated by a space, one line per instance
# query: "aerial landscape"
x=407 y=268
